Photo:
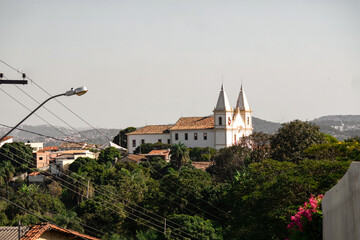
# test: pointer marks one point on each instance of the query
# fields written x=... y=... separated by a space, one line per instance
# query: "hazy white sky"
x=154 y=61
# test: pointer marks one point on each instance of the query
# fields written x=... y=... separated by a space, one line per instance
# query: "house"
x=42 y=231
x=202 y=165
x=36 y=177
x=67 y=157
x=36 y=146
x=134 y=158
x=6 y=140
x=163 y=154
x=76 y=146
x=226 y=127
x=44 y=156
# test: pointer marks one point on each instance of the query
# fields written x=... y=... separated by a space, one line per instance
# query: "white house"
x=6 y=140
x=222 y=129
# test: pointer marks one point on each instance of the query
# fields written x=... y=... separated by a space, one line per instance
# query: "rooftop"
x=159 y=152
x=6 y=138
x=152 y=129
x=188 y=123
x=37 y=230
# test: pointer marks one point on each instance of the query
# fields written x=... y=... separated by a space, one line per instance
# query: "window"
x=186 y=136
x=40 y=158
x=248 y=120
x=205 y=136
x=142 y=141
x=168 y=141
x=195 y=136
x=176 y=136
x=159 y=140
x=220 y=120
x=134 y=143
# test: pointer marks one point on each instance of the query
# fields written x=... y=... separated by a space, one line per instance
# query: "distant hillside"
x=260 y=125
x=339 y=126
x=98 y=136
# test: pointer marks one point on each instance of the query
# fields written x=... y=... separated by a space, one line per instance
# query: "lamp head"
x=78 y=91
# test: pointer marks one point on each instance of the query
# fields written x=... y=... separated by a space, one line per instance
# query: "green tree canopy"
x=290 y=141
x=179 y=155
x=108 y=155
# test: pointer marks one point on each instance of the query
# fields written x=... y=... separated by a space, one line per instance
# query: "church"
x=224 y=128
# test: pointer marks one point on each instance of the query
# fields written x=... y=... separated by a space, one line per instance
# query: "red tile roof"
x=159 y=152
x=51 y=148
x=37 y=230
x=152 y=129
x=34 y=173
x=135 y=158
x=187 y=123
x=6 y=138
x=202 y=165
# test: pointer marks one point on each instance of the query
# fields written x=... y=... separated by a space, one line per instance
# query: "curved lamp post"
x=78 y=91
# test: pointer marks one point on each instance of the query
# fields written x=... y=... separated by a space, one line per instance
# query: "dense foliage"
x=250 y=193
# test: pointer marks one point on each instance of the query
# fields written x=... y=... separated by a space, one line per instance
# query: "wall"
x=341 y=208
x=149 y=138
x=191 y=142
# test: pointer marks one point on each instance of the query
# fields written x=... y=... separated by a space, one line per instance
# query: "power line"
x=81 y=223
x=34 y=113
x=102 y=194
x=47 y=220
x=39 y=134
x=56 y=100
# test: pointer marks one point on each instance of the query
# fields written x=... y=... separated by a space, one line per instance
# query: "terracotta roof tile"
x=72 y=145
x=186 y=123
x=50 y=148
x=159 y=152
x=37 y=230
x=202 y=165
x=136 y=158
x=6 y=138
x=152 y=129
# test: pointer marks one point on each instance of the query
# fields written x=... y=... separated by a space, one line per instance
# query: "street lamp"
x=78 y=91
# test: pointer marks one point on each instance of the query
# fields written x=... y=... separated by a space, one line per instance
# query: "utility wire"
x=47 y=220
x=101 y=194
x=39 y=134
x=52 y=212
x=31 y=110
x=114 y=194
x=15 y=69
x=52 y=113
x=100 y=202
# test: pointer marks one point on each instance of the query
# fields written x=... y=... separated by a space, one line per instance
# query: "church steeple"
x=242 y=102
x=222 y=102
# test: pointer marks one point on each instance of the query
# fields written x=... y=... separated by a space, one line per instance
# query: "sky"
x=151 y=62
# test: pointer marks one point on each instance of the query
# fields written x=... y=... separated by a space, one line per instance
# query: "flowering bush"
x=307 y=222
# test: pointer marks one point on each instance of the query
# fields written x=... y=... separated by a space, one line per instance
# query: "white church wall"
x=148 y=138
x=191 y=142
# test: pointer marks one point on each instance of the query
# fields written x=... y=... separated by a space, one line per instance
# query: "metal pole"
x=87 y=192
x=62 y=94
x=165 y=227
x=19 y=230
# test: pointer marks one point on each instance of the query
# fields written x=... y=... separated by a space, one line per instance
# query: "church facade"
x=224 y=128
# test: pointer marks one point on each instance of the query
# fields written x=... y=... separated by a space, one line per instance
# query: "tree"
x=259 y=145
x=7 y=171
x=228 y=161
x=194 y=227
x=290 y=141
x=148 y=147
x=121 y=138
x=179 y=155
x=201 y=154
x=19 y=154
x=109 y=154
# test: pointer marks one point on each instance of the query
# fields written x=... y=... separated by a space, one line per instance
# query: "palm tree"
x=179 y=155
x=81 y=188
x=7 y=172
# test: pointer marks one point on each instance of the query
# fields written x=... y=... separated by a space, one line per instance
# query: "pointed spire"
x=242 y=102
x=222 y=102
